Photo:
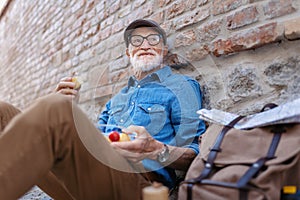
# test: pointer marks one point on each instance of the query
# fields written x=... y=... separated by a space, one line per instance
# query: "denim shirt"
x=165 y=104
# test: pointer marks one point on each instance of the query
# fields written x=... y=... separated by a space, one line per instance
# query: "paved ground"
x=35 y=194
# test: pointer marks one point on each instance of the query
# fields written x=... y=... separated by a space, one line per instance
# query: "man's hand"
x=67 y=87
x=144 y=146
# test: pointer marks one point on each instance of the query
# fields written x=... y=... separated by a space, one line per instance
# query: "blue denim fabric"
x=165 y=104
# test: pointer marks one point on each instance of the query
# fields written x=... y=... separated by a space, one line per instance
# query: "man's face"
x=146 y=57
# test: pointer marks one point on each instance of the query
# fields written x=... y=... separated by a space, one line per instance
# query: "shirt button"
x=132 y=103
x=138 y=86
x=121 y=120
x=148 y=109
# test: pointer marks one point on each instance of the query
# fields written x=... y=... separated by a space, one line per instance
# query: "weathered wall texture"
x=244 y=53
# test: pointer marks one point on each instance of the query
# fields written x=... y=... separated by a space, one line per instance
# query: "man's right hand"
x=66 y=87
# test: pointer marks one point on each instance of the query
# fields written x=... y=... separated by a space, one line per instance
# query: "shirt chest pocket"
x=155 y=116
x=116 y=113
x=115 y=110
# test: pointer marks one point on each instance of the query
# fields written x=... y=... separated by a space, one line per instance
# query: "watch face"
x=164 y=155
x=162 y=159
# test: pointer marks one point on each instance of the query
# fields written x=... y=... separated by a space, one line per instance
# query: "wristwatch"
x=164 y=155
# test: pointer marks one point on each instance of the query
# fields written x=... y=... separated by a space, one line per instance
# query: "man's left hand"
x=144 y=146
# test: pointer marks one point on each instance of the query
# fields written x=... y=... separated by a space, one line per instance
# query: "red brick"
x=95 y=20
x=197 y=53
x=118 y=76
x=86 y=55
x=92 y=31
x=185 y=38
x=168 y=27
x=192 y=4
x=246 y=40
x=100 y=6
x=105 y=33
x=191 y=18
x=209 y=31
x=78 y=32
x=97 y=38
x=117 y=26
x=125 y=11
x=145 y=10
x=175 y=9
x=252 y=1
x=242 y=17
x=99 y=76
x=102 y=91
x=91 y=15
x=276 y=8
x=162 y=3
x=77 y=6
x=89 y=5
x=68 y=65
x=114 y=7
x=125 y=2
x=104 y=15
x=138 y=3
x=201 y=2
x=86 y=26
x=158 y=17
x=117 y=52
x=79 y=22
x=103 y=55
x=66 y=52
x=292 y=29
x=85 y=96
x=116 y=40
x=107 y=22
x=223 y=6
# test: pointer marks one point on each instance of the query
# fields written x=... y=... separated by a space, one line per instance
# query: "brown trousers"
x=53 y=142
x=7 y=112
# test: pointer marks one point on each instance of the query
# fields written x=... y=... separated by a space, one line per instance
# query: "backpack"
x=244 y=164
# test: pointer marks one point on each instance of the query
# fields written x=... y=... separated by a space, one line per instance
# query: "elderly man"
x=162 y=102
x=157 y=107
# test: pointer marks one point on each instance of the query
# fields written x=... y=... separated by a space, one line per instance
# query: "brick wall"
x=244 y=53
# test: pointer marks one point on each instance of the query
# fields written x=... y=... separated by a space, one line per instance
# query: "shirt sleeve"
x=103 y=117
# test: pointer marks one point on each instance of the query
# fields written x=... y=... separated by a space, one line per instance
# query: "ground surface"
x=35 y=194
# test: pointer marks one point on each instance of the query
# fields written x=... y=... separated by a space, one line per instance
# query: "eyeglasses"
x=137 y=40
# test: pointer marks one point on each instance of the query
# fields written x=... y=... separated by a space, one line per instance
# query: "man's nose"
x=145 y=44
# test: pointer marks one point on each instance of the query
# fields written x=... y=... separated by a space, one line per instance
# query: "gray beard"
x=140 y=66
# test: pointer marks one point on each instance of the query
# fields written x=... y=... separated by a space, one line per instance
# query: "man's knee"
x=54 y=102
x=55 y=99
x=7 y=112
x=8 y=108
x=49 y=109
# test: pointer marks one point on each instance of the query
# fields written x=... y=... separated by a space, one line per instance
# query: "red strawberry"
x=114 y=136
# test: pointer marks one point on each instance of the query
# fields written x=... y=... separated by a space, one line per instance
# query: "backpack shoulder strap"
x=211 y=157
x=256 y=167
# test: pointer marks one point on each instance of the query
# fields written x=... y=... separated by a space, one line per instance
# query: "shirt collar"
x=159 y=75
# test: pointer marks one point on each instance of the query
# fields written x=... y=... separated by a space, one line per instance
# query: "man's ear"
x=127 y=52
x=165 y=50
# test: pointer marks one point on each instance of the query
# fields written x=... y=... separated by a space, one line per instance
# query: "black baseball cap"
x=143 y=23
